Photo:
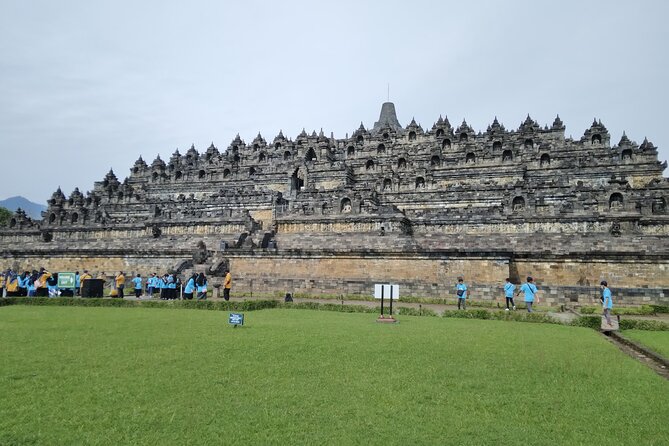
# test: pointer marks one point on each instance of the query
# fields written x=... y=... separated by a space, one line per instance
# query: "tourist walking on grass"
x=509 y=288
x=227 y=284
x=461 y=292
x=530 y=291
x=607 y=303
x=120 y=284
x=138 y=285
x=201 y=284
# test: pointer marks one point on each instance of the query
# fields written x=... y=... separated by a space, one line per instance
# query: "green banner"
x=66 y=280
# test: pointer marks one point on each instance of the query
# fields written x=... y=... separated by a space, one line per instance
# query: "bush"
x=642 y=310
x=660 y=308
x=301 y=305
x=410 y=311
x=515 y=316
x=593 y=322
x=629 y=324
x=329 y=307
x=467 y=314
x=524 y=317
x=249 y=305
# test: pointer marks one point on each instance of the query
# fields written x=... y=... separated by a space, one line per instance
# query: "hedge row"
x=247 y=305
x=251 y=305
x=516 y=316
x=638 y=324
x=642 y=310
x=625 y=324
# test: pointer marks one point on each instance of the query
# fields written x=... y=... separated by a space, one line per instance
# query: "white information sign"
x=388 y=290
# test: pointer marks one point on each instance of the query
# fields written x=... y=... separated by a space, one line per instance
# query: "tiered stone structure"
x=402 y=204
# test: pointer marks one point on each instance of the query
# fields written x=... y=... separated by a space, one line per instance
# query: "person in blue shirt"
x=151 y=284
x=201 y=284
x=30 y=284
x=23 y=283
x=77 y=283
x=530 y=291
x=509 y=288
x=190 y=287
x=52 y=285
x=172 y=287
x=138 y=285
x=162 y=284
x=607 y=301
x=461 y=291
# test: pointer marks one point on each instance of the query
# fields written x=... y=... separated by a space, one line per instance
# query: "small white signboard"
x=388 y=290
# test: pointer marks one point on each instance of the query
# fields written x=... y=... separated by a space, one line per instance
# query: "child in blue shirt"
x=509 y=288
x=461 y=291
x=138 y=285
x=607 y=301
x=530 y=291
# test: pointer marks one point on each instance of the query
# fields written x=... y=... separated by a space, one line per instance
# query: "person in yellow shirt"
x=2 y=283
x=40 y=284
x=120 y=284
x=85 y=276
x=227 y=284
x=12 y=284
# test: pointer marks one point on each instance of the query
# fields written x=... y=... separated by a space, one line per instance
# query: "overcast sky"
x=86 y=86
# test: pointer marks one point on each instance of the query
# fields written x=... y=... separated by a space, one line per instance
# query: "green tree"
x=5 y=216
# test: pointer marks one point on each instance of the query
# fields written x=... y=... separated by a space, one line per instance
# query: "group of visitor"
x=167 y=286
x=42 y=283
x=28 y=283
x=530 y=290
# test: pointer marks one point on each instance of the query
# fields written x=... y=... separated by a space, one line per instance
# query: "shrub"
x=660 y=308
x=642 y=310
x=467 y=314
x=587 y=321
x=249 y=305
x=410 y=311
x=629 y=324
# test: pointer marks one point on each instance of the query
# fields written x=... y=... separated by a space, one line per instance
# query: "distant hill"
x=32 y=209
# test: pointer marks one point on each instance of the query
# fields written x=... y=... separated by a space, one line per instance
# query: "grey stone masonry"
x=528 y=195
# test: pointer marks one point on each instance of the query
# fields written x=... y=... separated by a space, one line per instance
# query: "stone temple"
x=391 y=203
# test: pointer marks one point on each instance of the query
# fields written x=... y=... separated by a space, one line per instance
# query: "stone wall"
x=619 y=272
x=565 y=282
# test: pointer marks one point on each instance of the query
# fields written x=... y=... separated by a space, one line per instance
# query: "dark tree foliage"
x=5 y=216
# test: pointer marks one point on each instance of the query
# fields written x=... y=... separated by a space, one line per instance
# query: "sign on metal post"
x=236 y=319
x=386 y=291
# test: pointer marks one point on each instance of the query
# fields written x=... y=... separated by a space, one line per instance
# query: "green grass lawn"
x=73 y=375
x=658 y=341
